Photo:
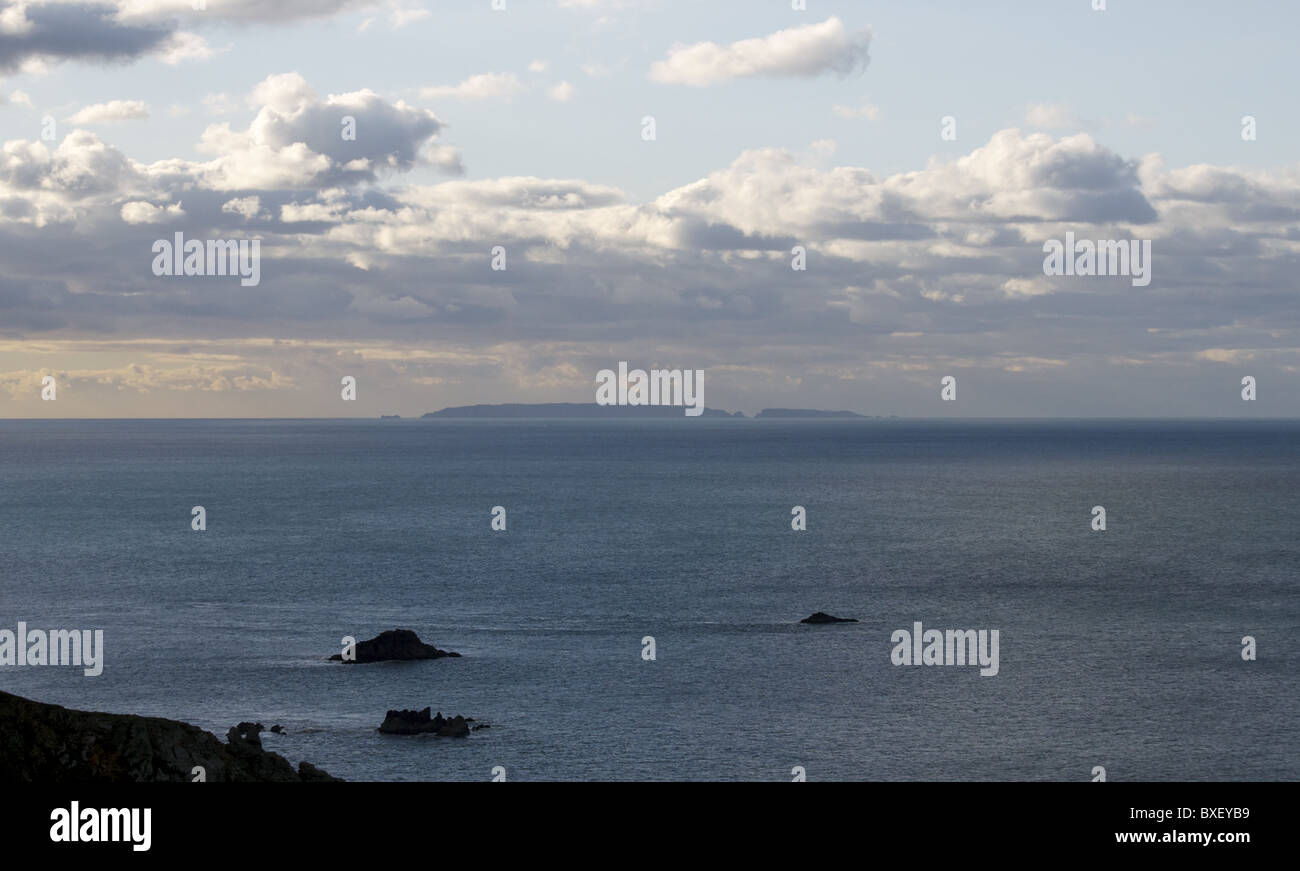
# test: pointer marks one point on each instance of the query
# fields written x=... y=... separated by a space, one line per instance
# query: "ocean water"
x=1118 y=648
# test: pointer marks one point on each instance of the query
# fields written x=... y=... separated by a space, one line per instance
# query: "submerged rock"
x=420 y=722
x=52 y=744
x=823 y=617
x=395 y=644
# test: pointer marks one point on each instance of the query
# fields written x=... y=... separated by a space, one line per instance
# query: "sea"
x=638 y=617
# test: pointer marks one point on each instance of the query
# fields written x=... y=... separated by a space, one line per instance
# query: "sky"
x=917 y=156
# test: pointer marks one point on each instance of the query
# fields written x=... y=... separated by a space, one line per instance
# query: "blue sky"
x=924 y=251
x=1189 y=70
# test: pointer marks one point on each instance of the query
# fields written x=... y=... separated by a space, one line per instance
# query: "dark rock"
x=823 y=617
x=245 y=739
x=309 y=773
x=51 y=744
x=480 y=726
x=420 y=722
x=397 y=644
x=277 y=729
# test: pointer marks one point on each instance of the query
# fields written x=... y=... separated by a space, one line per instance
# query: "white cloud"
x=14 y=21
x=295 y=212
x=248 y=207
x=446 y=158
x=295 y=140
x=483 y=86
x=142 y=212
x=111 y=112
x=804 y=51
x=1027 y=286
x=561 y=93
x=182 y=46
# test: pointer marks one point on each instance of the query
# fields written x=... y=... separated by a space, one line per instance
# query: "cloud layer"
x=909 y=275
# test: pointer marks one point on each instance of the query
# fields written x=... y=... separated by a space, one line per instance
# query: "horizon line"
x=730 y=416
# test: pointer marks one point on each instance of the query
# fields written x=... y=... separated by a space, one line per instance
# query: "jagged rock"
x=277 y=729
x=52 y=744
x=394 y=644
x=419 y=722
x=245 y=739
x=823 y=617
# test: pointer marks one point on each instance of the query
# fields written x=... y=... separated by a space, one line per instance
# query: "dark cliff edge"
x=53 y=744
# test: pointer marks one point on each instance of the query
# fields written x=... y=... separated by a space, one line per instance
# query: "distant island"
x=590 y=410
x=806 y=412
x=570 y=410
x=390 y=417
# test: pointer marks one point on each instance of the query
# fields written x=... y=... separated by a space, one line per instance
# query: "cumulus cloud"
x=111 y=112
x=59 y=31
x=143 y=212
x=37 y=32
x=907 y=272
x=40 y=185
x=806 y=51
x=295 y=140
x=1012 y=178
x=246 y=207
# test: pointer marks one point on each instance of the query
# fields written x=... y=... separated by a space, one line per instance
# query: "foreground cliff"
x=40 y=742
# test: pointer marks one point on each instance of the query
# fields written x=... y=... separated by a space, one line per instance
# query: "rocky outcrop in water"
x=395 y=644
x=823 y=617
x=420 y=722
x=53 y=744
